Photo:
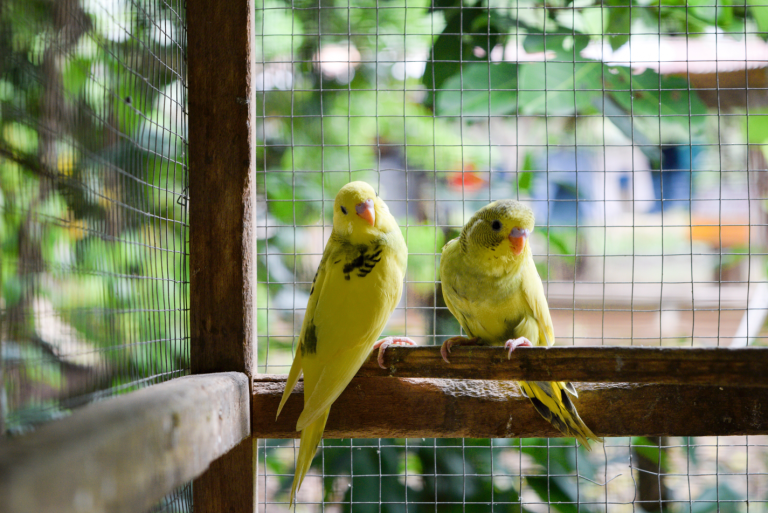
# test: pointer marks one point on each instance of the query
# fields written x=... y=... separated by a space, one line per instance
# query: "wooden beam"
x=222 y=220
x=414 y=408
x=125 y=453
x=222 y=187
x=660 y=365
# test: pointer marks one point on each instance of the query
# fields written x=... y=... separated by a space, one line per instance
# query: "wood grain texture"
x=679 y=366
x=125 y=453
x=222 y=221
x=413 y=408
x=222 y=187
x=221 y=476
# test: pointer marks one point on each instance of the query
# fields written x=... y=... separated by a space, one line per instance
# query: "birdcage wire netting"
x=634 y=130
x=93 y=209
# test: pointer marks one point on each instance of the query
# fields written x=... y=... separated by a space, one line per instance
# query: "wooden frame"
x=678 y=392
x=137 y=448
x=434 y=408
x=222 y=219
x=743 y=367
x=124 y=454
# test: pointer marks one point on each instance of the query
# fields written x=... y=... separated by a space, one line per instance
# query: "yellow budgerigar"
x=490 y=284
x=356 y=288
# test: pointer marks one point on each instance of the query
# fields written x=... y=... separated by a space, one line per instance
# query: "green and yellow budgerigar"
x=490 y=284
x=356 y=288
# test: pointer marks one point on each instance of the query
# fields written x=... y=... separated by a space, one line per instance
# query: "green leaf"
x=557 y=456
x=463 y=33
x=756 y=126
x=467 y=93
x=650 y=450
x=725 y=17
x=446 y=54
x=619 y=20
x=758 y=9
x=552 y=491
x=724 y=499
x=12 y=291
x=444 y=4
x=559 y=88
x=663 y=108
x=565 y=46
x=525 y=180
x=624 y=122
x=76 y=75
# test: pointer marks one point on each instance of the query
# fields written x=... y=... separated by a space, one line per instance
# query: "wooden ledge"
x=426 y=408
x=644 y=392
x=125 y=453
x=659 y=365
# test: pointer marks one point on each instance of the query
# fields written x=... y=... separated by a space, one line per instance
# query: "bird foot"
x=384 y=343
x=511 y=345
x=445 y=349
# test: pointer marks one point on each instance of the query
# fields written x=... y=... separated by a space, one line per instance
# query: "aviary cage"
x=167 y=172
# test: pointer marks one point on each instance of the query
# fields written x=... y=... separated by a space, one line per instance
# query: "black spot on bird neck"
x=363 y=260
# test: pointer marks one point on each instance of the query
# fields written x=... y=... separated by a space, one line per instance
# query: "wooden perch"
x=667 y=365
x=124 y=454
x=413 y=408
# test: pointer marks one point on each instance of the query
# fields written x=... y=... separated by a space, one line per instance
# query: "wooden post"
x=222 y=210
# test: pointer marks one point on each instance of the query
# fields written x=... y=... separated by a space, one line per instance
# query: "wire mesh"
x=634 y=130
x=93 y=231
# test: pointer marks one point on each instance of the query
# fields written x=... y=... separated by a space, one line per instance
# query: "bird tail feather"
x=552 y=402
x=310 y=438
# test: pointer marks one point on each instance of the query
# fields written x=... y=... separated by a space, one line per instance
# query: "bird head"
x=500 y=228
x=359 y=213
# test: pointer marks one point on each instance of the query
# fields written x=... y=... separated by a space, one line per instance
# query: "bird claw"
x=511 y=345
x=445 y=349
x=384 y=343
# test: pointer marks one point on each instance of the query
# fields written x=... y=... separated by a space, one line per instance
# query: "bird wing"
x=534 y=295
x=537 y=301
x=351 y=311
x=330 y=383
x=314 y=293
x=448 y=272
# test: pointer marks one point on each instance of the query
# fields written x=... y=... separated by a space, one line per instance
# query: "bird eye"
x=344 y=210
x=496 y=225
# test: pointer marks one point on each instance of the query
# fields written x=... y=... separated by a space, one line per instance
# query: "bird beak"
x=517 y=238
x=366 y=211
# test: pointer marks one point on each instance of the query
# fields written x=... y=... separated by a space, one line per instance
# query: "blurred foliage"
x=397 y=109
x=92 y=210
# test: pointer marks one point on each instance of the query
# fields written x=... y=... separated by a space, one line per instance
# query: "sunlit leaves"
x=480 y=89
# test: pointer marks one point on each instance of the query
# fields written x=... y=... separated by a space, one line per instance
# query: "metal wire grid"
x=633 y=248
x=180 y=501
x=489 y=475
x=93 y=231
